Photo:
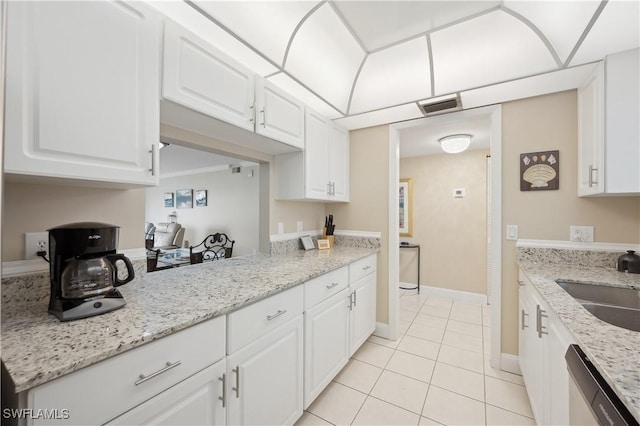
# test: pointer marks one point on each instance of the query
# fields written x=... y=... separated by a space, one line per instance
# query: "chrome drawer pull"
x=237 y=388
x=332 y=285
x=277 y=314
x=168 y=367
x=364 y=268
x=524 y=314
x=521 y=283
x=223 y=398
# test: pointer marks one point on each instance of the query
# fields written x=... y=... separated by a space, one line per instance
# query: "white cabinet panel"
x=195 y=401
x=265 y=378
x=81 y=98
x=339 y=163
x=326 y=349
x=200 y=77
x=279 y=116
x=591 y=134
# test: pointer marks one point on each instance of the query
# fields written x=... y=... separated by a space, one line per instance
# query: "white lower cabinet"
x=543 y=343
x=264 y=379
x=326 y=343
x=198 y=400
x=362 y=301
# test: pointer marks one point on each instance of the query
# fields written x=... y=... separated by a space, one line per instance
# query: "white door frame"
x=496 y=235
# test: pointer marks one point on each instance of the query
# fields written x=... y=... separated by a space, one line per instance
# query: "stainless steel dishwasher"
x=591 y=399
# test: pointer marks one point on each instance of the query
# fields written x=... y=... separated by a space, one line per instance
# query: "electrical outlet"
x=299 y=226
x=582 y=234
x=35 y=242
x=512 y=232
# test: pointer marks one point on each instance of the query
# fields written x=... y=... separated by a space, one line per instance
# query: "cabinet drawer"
x=247 y=324
x=324 y=286
x=163 y=363
x=362 y=267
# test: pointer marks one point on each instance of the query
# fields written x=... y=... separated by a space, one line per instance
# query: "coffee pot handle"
x=130 y=274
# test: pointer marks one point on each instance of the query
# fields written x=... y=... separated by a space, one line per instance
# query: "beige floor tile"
x=508 y=396
x=474 y=317
x=449 y=408
x=465 y=328
x=337 y=404
x=436 y=310
x=359 y=375
x=400 y=390
x=462 y=341
x=411 y=303
x=459 y=380
x=499 y=374
x=374 y=354
x=309 y=419
x=425 y=332
x=468 y=360
x=407 y=315
x=411 y=365
x=403 y=326
x=424 y=421
x=420 y=347
x=376 y=412
x=431 y=321
x=384 y=342
x=461 y=305
x=498 y=416
x=439 y=301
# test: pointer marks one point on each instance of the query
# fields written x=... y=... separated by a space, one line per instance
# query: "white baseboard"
x=510 y=363
x=464 y=296
x=382 y=330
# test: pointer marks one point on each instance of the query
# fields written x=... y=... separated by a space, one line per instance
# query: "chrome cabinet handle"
x=328 y=188
x=523 y=316
x=223 y=398
x=332 y=285
x=264 y=117
x=364 y=268
x=355 y=298
x=237 y=387
x=520 y=283
x=153 y=159
x=277 y=314
x=351 y=301
x=168 y=366
x=252 y=113
x=592 y=181
x=541 y=329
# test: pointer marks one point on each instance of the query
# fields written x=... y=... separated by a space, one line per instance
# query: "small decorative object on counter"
x=629 y=262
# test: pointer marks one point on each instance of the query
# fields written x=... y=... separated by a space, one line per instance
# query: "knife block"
x=329 y=238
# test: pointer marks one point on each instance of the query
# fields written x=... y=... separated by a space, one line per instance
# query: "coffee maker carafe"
x=84 y=270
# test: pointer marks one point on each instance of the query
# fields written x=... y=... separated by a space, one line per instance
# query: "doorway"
x=493 y=262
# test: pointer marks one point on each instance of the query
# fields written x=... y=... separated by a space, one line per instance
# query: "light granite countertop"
x=37 y=348
x=614 y=351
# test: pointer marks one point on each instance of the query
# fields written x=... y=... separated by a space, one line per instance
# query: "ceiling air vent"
x=441 y=105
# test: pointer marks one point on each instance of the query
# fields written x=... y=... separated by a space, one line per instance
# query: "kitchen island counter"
x=37 y=348
x=612 y=350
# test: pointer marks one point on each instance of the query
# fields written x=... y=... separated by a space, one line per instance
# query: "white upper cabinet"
x=321 y=172
x=608 y=131
x=200 y=77
x=279 y=116
x=82 y=89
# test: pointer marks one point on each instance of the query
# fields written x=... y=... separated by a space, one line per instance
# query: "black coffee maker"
x=83 y=270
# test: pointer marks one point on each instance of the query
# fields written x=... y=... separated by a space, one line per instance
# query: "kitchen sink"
x=615 y=305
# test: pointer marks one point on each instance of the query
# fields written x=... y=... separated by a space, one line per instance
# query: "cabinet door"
x=316 y=156
x=82 y=97
x=264 y=379
x=363 y=311
x=339 y=163
x=326 y=343
x=279 y=116
x=200 y=77
x=532 y=364
x=591 y=134
x=557 y=383
x=195 y=401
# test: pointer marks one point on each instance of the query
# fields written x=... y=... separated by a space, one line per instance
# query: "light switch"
x=280 y=228
x=512 y=232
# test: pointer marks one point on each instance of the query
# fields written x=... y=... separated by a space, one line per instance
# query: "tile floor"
x=437 y=372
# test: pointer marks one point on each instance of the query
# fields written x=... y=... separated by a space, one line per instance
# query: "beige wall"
x=540 y=124
x=451 y=231
x=36 y=208
x=368 y=209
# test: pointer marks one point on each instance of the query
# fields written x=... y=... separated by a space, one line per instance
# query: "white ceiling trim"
x=586 y=31
x=295 y=32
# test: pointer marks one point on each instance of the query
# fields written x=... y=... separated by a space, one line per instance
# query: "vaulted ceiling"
x=366 y=61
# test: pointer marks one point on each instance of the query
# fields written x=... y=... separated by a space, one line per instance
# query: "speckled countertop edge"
x=37 y=348
x=614 y=351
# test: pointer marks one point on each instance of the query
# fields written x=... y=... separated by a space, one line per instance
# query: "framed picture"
x=307 y=242
x=184 y=198
x=201 y=198
x=323 y=244
x=169 y=200
x=540 y=171
x=405 y=206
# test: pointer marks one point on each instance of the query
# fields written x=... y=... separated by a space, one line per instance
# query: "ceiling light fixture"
x=454 y=144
